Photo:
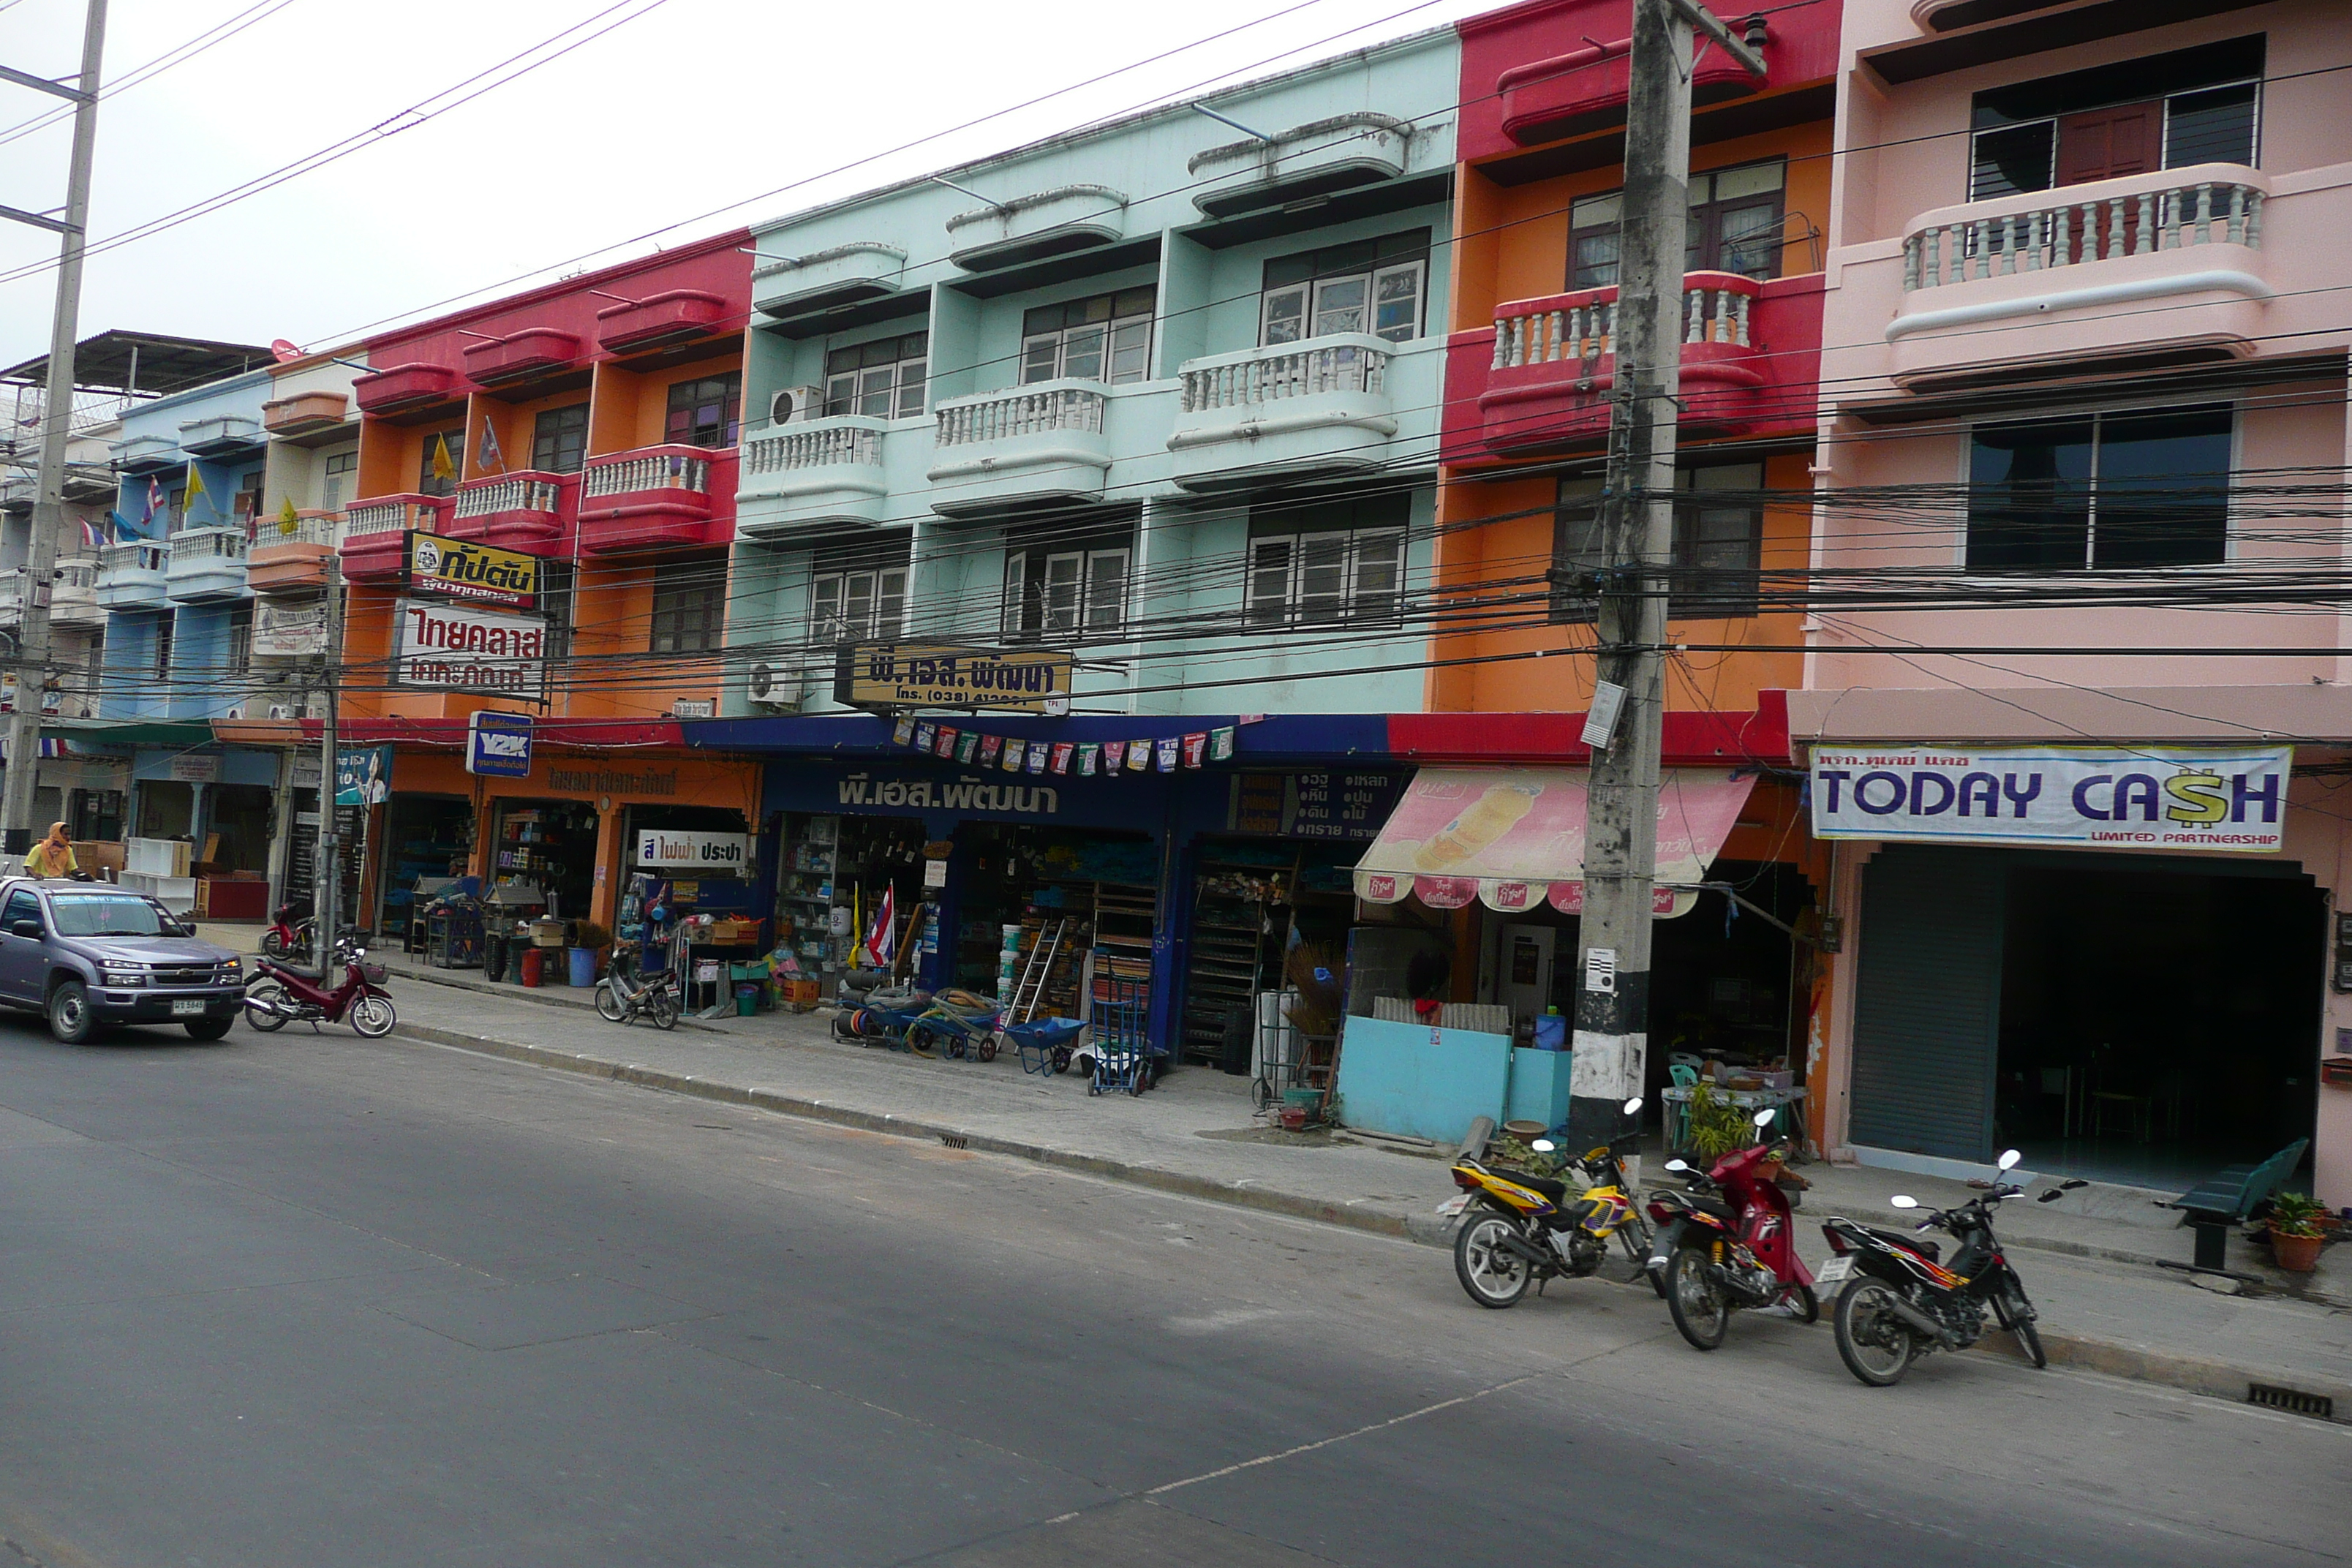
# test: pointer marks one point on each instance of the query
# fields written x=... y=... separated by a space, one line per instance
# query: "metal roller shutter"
x=1927 y=1000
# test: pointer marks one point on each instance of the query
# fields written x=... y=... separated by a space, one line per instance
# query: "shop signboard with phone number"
x=936 y=674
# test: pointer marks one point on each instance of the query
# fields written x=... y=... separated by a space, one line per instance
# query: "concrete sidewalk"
x=2104 y=1302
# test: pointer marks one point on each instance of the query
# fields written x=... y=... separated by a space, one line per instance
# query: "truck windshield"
x=106 y=914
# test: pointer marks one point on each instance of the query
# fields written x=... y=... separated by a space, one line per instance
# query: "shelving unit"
x=1226 y=970
x=1122 y=936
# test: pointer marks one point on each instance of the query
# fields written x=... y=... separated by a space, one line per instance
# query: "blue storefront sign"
x=498 y=745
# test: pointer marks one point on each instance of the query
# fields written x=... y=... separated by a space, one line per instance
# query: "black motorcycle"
x=1901 y=1301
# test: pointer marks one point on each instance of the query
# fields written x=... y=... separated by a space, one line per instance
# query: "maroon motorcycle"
x=1728 y=1242
x=278 y=995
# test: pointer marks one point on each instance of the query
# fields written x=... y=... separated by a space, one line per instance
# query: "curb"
x=2191 y=1374
x=529 y=994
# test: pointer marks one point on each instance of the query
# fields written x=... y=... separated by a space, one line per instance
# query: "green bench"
x=2228 y=1196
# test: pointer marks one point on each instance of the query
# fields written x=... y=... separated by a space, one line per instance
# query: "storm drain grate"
x=2294 y=1401
x=955 y=1140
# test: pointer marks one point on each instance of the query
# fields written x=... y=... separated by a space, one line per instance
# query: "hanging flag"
x=121 y=526
x=188 y=497
x=1114 y=752
x=924 y=735
x=1062 y=749
x=1196 y=747
x=1138 y=756
x=965 y=745
x=904 y=731
x=1168 y=754
x=881 y=943
x=487 y=456
x=1036 y=756
x=1013 y=750
x=90 y=534
x=948 y=741
x=288 y=520
x=990 y=745
x=154 y=504
x=1088 y=750
x=445 y=466
x=1221 y=744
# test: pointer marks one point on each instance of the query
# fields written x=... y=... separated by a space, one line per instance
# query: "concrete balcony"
x=220 y=436
x=526 y=510
x=1340 y=153
x=656 y=498
x=519 y=356
x=1316 y=409
x=398 y=388
x=132 y=577
x=304 y=414
x=73 y=597
x=1041 y=445
x=668 y=320
x=813 y=477
x=147 y=453
x=206 y=563
x=2163 y=268
x=790 y=286
x=292 y=562
x=375 y=534
x=1032 y=227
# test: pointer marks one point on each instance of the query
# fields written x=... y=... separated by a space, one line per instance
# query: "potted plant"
x=2296 y=1233
x=1715 y=1126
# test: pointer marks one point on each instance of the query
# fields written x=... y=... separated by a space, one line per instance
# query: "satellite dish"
x=284 y=350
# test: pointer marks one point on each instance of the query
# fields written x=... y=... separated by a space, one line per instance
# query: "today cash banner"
x=2109 y=797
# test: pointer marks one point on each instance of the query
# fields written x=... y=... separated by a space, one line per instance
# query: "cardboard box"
x=799 y=993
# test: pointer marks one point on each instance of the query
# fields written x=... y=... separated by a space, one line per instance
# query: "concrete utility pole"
x=326 y=913
x=57 y=424
x=1620 y=839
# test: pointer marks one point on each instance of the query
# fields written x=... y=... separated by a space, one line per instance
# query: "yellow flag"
x=442 y=467
x=287 y=519
x=195 y=487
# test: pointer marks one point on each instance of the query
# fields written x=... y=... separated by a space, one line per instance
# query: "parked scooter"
x=278 y=995
x=1520 y=1229
x=289 y=937
x=1901 y=1301
x=626 y=995
x=1727 y=1244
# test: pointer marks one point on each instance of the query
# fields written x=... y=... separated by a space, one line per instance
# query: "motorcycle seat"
x=1918 y=1244
x=1714 y=1206
x=1553 y=1189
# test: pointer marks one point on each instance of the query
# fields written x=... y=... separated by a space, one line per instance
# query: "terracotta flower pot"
x=2295 y=1254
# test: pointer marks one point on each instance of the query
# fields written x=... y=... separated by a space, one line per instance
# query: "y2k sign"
x=2150 y=797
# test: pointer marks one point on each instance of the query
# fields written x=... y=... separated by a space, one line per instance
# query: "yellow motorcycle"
x=1519 y=1229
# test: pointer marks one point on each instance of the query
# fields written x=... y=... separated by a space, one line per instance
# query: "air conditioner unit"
x=235 y=711
x=281 y=710
x=774 y=688
x=796 y=405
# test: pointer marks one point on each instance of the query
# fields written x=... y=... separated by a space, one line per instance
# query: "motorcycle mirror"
x=1542 y=1145
x=2008 y=1159
x=1904 y=1201
x=1633 y=1106
x=1677 y=1164
x=1764 y=1117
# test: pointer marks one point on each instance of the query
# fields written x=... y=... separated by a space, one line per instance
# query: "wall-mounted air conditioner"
x=281 y=710
x=796 y=405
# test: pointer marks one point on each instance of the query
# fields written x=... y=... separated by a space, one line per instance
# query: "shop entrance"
x=424 y=835
x=1080 y=893
x=552 y=845
x=167 y=809
x=2156 y=1025
x=239 y=816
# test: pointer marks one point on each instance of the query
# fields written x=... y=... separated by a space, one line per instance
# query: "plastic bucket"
x=583 y=965
x=534 y=962
x=747 y=1001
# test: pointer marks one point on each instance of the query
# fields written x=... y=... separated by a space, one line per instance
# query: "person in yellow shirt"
x=53 y=856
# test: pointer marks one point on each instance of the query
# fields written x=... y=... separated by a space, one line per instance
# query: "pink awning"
x=1513 y=838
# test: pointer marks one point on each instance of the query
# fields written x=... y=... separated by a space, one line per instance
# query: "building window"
x=559 y=440
x=1065 y=589
x=1322 y=562
x=241 y=640
x=689 y=604
x=1373 y=286
x=163 y=665
x=1735 y=218
x=705 y=413
x=175 y=509
x=1107 y=337
x=883 y=379
x=340 y=477
x=2193 y=106
x=1717 y=551
x=447 y=449
x=555 y=604
x=2105 y=490
x=857 y=604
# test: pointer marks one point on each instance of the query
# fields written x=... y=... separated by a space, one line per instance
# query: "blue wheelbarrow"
x=1045 y=1046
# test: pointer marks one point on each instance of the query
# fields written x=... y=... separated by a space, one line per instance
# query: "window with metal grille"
x=1065 y=589
x=1718 y=552
x=689 y=604
x=883 y=379
x=445 y=449
x=705 y=413
x=856 y=603
x=1373 y=286
x=1105 y=336
x=559 y=440
x=1322 y=562
x=555 y=604
x=2191 y=105
x=1736 y=220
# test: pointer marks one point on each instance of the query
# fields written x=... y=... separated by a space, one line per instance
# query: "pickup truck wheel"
x=70 y=1018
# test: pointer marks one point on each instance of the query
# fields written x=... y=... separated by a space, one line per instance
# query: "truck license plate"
x=188 y=1008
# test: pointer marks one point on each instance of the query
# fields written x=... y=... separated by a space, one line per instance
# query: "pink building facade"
x=2084 y=438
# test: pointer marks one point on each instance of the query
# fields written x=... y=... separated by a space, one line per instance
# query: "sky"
x=619 y=119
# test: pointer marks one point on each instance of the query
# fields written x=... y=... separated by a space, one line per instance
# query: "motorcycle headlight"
x=114 y=976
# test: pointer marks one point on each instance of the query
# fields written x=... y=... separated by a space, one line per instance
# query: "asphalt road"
x=309 y=1301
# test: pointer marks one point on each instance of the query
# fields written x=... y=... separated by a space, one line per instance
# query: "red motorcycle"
x=277 y=996
x=1728 y=1242
x=287 y=937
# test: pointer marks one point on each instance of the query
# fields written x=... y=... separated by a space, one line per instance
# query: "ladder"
x=1035 y=973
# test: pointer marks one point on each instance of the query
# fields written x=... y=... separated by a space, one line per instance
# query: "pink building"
x=2084 y=436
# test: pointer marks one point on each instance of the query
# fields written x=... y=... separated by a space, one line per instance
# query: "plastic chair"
x=1684 y=1077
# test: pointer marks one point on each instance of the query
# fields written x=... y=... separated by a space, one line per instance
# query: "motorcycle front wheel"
x=608 y=1002
x=1493 y=1274
x=2016 y=1315
x=263 y=999
x=373 y=1016
x=1699 y=1310
x=1804 y=1306
x=1874 y=1345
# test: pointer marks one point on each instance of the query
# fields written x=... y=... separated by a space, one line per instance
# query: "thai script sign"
x=606 y=781
x=2114 y=798
x=461 y=568
x=498 y=745
x=282 y=630
x=705 y=851
x=362 y=775
x=1313 y=805
x=934 y=675
x=965 y=796
x=456 y=648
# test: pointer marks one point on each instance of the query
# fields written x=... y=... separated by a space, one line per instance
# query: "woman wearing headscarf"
x=53 y=856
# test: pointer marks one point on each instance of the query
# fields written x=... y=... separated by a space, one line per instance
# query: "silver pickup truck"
x=87 y=954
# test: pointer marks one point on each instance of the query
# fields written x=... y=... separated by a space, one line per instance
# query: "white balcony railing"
x=380 y=517
x=309 y=528
x=657 y=470
x=787 y=447
x=77 y=576
x=516 y=493
x=1275 y=374
x=999 y=418
x=1584 y=325
x=116 y=559
x=199 y=546
x=2063 y=232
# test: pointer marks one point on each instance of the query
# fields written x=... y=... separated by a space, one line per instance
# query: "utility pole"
x=23 y=751
x=1620 y=839
x=326 y=911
